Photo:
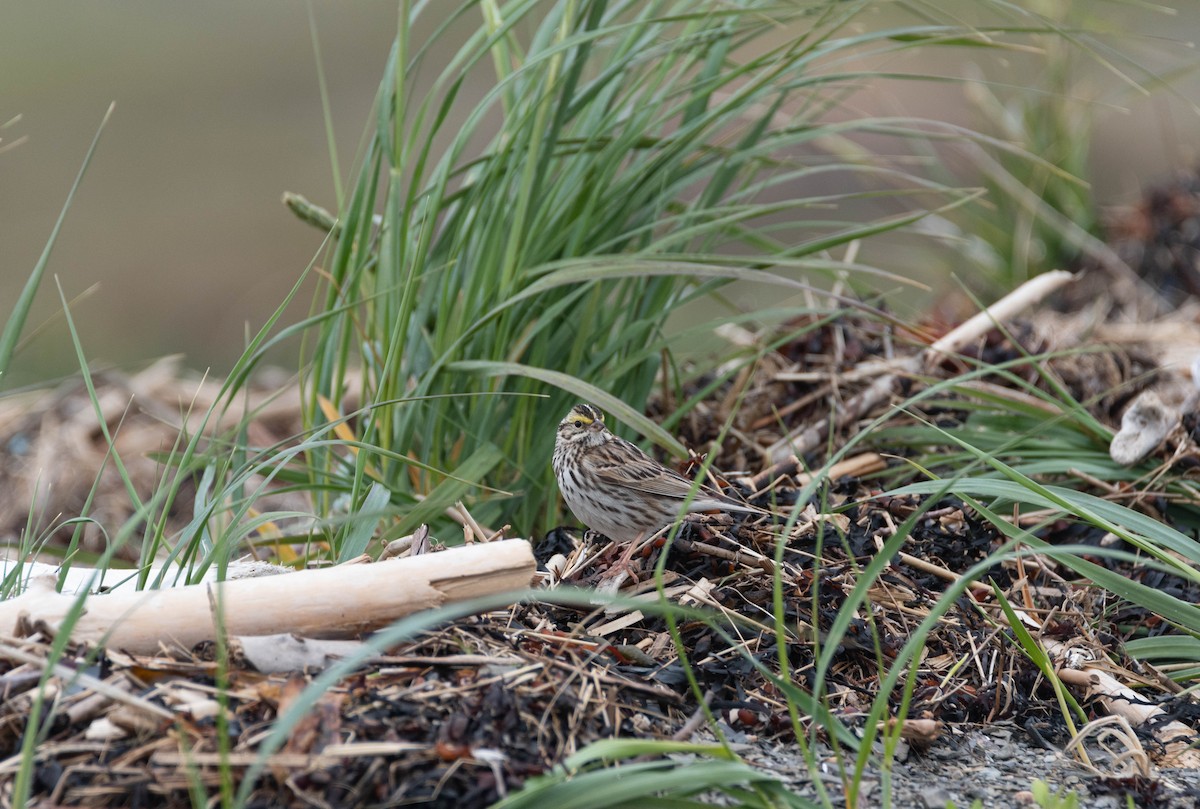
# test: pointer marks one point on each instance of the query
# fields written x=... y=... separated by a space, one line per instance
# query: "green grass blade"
x=16 y=319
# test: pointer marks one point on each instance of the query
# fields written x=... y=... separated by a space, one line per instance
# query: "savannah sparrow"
x=617 y=490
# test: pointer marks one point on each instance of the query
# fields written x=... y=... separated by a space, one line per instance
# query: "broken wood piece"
x=336 y=602
x=1144 y=426
x=857 y=466
x=918 y=732
x=1078 y=666
x=1073 y=665
x=941 y=572
x=1175 y=736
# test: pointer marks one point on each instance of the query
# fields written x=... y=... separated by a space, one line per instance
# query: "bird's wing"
x=642 y=473
x=649 y=478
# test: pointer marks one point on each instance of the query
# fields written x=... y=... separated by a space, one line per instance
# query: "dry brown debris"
x=469 y=711
x=55 y=451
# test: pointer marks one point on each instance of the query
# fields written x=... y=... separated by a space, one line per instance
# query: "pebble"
x=935 y=798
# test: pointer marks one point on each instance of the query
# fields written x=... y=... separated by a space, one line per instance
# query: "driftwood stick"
x=336 y=602
x=1029 y=294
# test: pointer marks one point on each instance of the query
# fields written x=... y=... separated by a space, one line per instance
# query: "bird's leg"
x=625 y=563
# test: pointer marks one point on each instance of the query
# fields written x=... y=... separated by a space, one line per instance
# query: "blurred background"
x=177 y=242
x=177 y=239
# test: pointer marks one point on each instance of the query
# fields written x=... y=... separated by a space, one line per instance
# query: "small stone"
x=1004 y=752
x=935 y=798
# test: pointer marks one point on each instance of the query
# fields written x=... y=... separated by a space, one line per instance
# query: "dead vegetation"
x=464 y=713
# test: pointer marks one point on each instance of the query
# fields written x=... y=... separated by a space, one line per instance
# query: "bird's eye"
x=578 y=424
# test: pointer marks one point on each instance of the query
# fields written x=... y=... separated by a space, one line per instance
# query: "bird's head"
x=584 y=425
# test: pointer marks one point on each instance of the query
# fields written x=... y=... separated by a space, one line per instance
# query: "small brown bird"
x=617 y=490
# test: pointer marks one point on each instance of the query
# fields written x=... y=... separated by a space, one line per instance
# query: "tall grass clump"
x=624 y=160
x=1044 y=214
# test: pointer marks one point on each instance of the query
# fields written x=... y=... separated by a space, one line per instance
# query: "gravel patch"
x=996 y=765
